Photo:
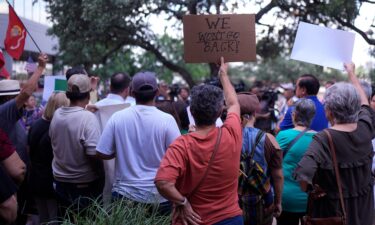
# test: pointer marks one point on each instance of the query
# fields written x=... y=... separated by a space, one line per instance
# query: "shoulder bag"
x=209 y=165
x=336 y=220
x=290 y=145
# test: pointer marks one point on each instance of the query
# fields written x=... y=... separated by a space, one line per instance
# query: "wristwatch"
x=182 y=203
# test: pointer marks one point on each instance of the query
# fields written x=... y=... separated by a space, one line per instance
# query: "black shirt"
x=41 y=155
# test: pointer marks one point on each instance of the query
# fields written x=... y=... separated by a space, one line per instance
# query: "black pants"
x=78 y=197
x=290 y=218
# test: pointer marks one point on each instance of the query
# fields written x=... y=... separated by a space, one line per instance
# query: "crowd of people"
x=207 y=155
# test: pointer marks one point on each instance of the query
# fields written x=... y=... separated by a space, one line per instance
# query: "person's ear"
x=126 y=92
x=330 y=117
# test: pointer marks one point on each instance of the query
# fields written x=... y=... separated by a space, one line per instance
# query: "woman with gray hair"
x=294 y=143
x=347 y=109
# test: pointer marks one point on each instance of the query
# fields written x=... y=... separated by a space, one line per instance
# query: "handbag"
x=209 y=165
x=336 y=220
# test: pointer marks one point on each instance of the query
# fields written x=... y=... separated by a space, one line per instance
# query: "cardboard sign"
x=323 y=46
x=208 y=37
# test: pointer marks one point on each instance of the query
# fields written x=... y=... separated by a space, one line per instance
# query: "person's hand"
x=192 y=128
x=91 y=108
x=290 y=102
x=187 y=215
x=277 y=210
x=94 y=82
x=350 y=68
x=223 y=66
x=42 y=60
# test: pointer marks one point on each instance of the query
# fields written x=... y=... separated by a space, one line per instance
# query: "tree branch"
x=172 y=66
x=264 y=10
x=369 y=40
x=367 y=1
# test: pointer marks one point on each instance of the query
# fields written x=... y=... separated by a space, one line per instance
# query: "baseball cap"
x=249 y=102
x=9 y=87
x=144 y=79
x=79 y=83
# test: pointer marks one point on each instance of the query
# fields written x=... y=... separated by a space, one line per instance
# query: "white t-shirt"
x=74 y=134
x=111 y=99
x=139 y=136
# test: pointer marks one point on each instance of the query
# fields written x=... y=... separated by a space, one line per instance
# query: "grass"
x=120 y=212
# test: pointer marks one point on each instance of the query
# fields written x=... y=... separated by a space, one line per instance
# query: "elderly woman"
x=199 y=171
x=294 y=143
x=41 y=178
x=352 y=130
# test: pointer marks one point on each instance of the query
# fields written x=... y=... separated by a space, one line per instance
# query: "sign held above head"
x=208 y=37
x=323 y=46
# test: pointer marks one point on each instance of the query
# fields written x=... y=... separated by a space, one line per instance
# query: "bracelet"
x=183 y=202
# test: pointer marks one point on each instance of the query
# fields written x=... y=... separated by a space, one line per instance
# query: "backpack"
x=253 y=179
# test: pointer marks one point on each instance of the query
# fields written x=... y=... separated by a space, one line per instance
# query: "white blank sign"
x=323 y=46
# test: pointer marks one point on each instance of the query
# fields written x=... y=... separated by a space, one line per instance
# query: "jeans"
x=237 y=220
x=162 y=209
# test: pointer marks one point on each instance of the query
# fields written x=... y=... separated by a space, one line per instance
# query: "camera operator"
x=266 y=119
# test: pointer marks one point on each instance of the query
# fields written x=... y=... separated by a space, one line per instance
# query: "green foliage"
x=133 y=60
x=117 y=213
x=96 y=32
x=283 y=70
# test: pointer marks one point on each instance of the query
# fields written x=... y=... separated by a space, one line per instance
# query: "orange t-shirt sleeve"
x=233 y=125
x=173 y=164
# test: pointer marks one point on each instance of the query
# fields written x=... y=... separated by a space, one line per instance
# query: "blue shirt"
x=319 y=122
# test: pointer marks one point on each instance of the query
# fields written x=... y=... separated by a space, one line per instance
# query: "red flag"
x=16 y=35
x=4 y=73
x=2 y=61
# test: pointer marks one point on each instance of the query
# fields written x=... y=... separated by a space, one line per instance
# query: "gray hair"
x=304 y=112
x=366 y=86
x=343 y=101
x=206 y=104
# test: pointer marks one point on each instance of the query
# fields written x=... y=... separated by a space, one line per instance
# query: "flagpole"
x=37 y=46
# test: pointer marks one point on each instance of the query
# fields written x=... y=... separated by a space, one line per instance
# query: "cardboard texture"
x=208 y=37
x=323 y=46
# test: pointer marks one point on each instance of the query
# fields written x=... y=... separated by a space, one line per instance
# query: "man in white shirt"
x=138 y=137
x=119 y=92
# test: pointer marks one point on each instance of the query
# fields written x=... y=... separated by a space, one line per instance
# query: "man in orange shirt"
x=199 y=172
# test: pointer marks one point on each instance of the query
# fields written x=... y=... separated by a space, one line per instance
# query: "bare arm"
x=229 y=92
x=15 y=167
x=350 y=68
x=278 y=182
x=8 y=210
x=31 y=84
x=183 y=210
x=304 y=185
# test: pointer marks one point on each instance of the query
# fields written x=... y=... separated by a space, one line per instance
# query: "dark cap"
x=249 y=103
x=144 y=79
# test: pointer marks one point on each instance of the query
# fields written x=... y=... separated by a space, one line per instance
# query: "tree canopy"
x=99 y=33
